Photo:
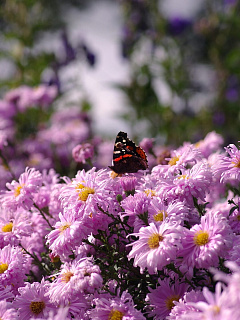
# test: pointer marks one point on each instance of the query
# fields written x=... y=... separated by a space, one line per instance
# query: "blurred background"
x=165 y=69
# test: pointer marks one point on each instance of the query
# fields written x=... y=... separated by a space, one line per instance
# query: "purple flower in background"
x=146 y=144
x=21 y=97
x=177 y=25
x=44 y=95
x=82 y=152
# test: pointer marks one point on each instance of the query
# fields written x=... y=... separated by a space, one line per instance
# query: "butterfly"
x=127 y=156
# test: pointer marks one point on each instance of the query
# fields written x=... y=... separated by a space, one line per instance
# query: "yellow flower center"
x=150 y=192
x=159 y=215
x=3 y=267
x=37 y=306
x=66 y=276
x=18 y=190
x=169 y=301
x=8 y=227
x=216 y=309
x=84 y=192
x=115 y=315
x=173 y=161
x=236 y=163
x=198 y=144
x=114 y=175
x=63 y=228
x=201 y=238
x=238 y=217
x=153 y=241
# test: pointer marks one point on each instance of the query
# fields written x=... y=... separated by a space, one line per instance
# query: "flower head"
x=21 y=192
x=162 y=298
x=156 y=247
x=33 y=302
x=13 y=266
x=120 y=307
x=203 y=244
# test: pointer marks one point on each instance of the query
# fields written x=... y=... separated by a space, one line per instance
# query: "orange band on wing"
x=124 y=156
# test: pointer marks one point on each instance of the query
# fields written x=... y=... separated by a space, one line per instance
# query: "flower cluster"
x=160 y=244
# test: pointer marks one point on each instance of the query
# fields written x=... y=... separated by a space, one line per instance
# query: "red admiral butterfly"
x=127 y=157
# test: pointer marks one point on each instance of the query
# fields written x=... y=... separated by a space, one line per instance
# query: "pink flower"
x=13 y=266
x=187 y=184
x=203 y=244
x=183 y=308
x=228 y=168
x=162 y=298
x=210 y=143
x=13 y=226
x=74 y=279
x=82 y=152
x=33 y=302
x=7 y=312
x=21 y=193
x=120 y=307
x=68 y=233
x=218 y=305
x=157 y=246
x=87 y=190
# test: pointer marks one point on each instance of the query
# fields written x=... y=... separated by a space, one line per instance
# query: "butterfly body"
x=127 y=156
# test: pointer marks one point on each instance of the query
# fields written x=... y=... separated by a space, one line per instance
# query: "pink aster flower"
x=87 y=190
x=183 y=156
x=21 y=193
x=162 y=299
x=203 y=244
x=6 y=293
x=33 y=302
x=234 y=253
x=228 y=168
x=68 y=232
x=210 y=143
x=135 y=205
x=160 y=210
x=191 y=183
x=13 y=266
x=82 y=152
x=44 y=95
x=21 y=97
x=120 y=307
x=71 y=280
x=13 y=226
x=217 y=305
x=157 y=246
x=232 y=280
x=128 y=183
x=7 y=312
x=183 y=308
